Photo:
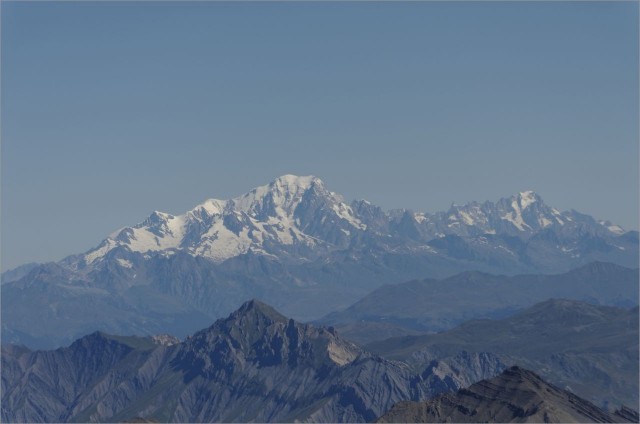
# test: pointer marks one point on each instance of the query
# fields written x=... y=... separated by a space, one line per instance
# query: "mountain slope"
x=590 y=350
x=254 y=366
x=517 y=395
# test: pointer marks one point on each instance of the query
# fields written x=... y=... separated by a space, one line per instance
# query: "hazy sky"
x=111 y=111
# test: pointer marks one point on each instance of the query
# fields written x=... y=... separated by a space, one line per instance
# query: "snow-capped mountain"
x=290 y=212
x=297 y=218
x=298 y=246
x=522 y=215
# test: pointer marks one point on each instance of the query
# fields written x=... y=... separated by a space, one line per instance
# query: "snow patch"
x=544 y=222
x=527 y=198
x=345 y=212
x=124 y=263
x=466 y=218
x=616 y=229
x=100 y=251
x=515 y=217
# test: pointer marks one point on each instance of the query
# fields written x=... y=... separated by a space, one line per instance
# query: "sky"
x=113 y=110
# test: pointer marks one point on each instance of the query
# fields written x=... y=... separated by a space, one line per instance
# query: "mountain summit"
x=271 y=219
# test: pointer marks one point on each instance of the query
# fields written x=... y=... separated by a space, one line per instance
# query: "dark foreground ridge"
x=256 y=365
x=517 y=395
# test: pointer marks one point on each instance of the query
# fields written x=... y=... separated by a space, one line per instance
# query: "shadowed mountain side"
x=590 y=350
x=254 y=366
x=517 y=395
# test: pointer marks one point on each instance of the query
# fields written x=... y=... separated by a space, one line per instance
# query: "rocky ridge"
x=254 y=366
x=517 y=395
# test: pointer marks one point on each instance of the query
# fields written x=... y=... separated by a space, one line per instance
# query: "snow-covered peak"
x=280 y=197
x=523 y=216
x=295 y=182
x=297 y=217
x=527 y=198
x=290 y=211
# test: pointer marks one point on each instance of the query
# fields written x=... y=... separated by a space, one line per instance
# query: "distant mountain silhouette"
x=436 y=305
x=588 y=349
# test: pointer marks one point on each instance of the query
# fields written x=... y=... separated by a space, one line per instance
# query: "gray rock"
x=254 y=366
x=517 y=395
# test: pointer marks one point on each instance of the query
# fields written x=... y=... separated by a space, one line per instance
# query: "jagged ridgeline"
x=256 y=365
x=295 y=244
x=259 y=366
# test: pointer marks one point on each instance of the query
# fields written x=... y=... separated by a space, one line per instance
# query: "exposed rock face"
x=517 y=395
x=587 y=349
x=254 y=366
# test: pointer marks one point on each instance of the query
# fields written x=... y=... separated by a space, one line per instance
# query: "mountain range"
x=296 y=245
x=432 y=305
x=254 y=366
x=297 y=219
x=588 y=349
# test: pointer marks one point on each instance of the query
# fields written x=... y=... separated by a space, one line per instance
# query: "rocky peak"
x=516 y=395
x=519 y=375
x=254 y=311
x=258 y=335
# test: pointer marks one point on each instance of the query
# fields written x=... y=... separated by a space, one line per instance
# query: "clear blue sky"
x=111 y=111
